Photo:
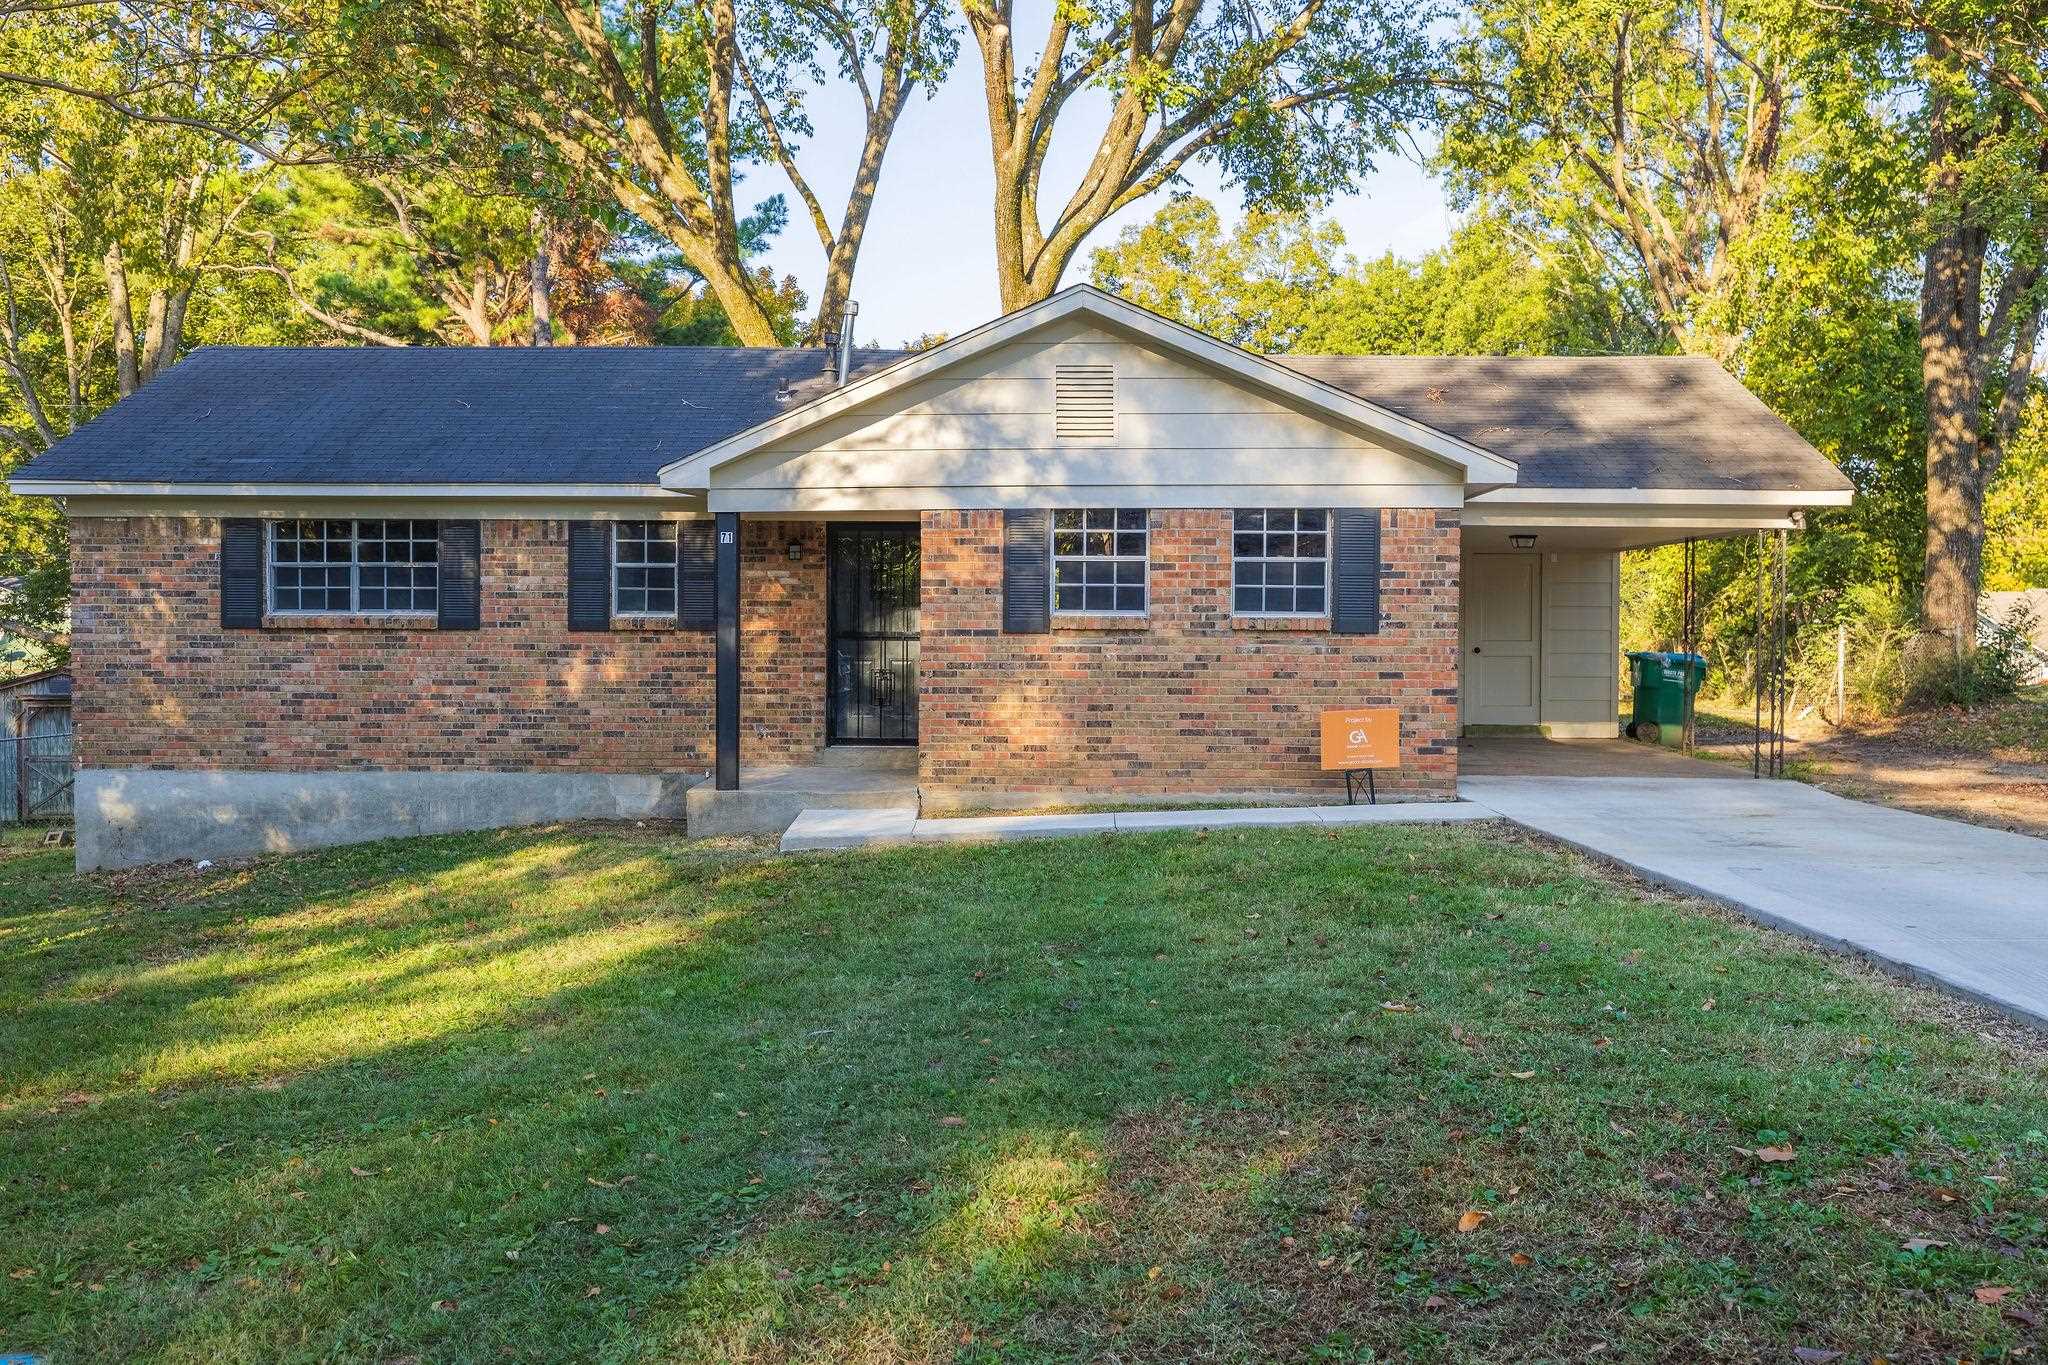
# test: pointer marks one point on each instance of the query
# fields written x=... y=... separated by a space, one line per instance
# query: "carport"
x=1504 y=755
x=1540 y=578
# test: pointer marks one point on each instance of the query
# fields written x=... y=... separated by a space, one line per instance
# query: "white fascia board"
x=1665 y=497
x=60 y=488
x=1479 y=465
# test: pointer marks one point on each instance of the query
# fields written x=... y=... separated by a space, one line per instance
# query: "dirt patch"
x=1984 y=767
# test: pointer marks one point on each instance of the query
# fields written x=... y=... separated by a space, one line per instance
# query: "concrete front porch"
x=770 y=797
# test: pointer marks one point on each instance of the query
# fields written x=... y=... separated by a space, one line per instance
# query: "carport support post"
x=726 y=562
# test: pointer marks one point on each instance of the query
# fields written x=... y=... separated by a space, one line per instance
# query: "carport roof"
x=1581 y=422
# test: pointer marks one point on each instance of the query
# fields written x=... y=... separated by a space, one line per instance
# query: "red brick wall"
x=1193 y=700
x=782 y=641
x=160 y=684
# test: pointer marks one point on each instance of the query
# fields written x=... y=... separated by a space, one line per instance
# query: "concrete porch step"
x=894 y=758
x=769 y=799
x=829 y=829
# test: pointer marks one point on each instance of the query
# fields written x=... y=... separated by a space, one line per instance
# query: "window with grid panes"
x=1098 y=560
x=644 y=568
x=358 y=567
x=1280 y=562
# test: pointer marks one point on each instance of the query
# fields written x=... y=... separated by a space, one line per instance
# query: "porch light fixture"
x=1523 y=541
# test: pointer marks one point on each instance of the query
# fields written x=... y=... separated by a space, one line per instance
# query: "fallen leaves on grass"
x=1470 y=1219
x=1523 y=1075
x=1991 y=1293
x=1919 y=1244
x=1775 y=1154
x=952 y=1121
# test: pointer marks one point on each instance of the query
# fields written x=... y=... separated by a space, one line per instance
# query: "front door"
x=871 y=573
x=1503 y=639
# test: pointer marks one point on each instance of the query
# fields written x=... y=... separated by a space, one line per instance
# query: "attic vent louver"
x=1085 y=402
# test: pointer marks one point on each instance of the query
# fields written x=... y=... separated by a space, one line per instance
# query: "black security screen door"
x=871 y=634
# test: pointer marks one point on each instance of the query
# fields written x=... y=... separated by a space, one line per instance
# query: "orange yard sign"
x=1368 y=737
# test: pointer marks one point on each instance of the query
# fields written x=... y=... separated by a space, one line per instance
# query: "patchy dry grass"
x=581 y=1095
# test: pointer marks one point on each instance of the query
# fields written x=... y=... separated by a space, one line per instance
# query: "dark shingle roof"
x=569 y=414
x=1592 y=421
x=597 y=415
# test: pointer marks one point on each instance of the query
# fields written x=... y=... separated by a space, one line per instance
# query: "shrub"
x=1878 y=626
x=1996 y=669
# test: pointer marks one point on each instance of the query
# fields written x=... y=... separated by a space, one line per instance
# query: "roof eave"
x=60 y=488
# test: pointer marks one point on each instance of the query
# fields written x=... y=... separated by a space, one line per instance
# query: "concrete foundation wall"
x=131 y=816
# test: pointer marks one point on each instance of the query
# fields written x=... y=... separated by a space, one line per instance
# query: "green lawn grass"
x=573 y=1095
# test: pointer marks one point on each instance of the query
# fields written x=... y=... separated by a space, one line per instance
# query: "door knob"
x=1476 y=649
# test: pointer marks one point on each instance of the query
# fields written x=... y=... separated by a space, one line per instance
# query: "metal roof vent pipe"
x=846 y=341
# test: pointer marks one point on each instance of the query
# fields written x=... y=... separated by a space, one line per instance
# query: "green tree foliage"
x=394 y=261
x=1649 y=131
x=1255 y=287
x=1282 y=282
x=1485 y=293
x=116 y=218
x=657 y=106
x=2016 y=509
x=1972 y=77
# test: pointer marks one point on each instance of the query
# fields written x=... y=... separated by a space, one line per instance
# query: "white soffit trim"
x=1478 y=464
x=1665 y=497
x=57 y=488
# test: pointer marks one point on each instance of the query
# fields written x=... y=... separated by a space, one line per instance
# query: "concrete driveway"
x=1958 y=904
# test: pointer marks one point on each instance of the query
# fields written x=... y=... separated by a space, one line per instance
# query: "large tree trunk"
x=1957 y=348
x=843 y=250
x=1950 y=300
x=540 y=303
x=127 y=372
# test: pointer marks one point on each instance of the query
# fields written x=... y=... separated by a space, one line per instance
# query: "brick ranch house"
x=1079 y=552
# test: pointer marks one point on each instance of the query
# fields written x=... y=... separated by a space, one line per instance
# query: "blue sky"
x=928 y=262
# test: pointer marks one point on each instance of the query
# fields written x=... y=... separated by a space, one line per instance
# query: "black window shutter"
x=696 y=576
x=461 y=551
x=241 y=574
x=1355 y=602
x=590 y=575
x=1027 y=573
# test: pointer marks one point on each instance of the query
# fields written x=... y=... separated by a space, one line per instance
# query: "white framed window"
x=1280 y=561
x=644 y=568
x=357 y=568
x=1099 y=557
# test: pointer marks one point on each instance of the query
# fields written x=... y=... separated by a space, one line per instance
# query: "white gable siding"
x=986 y=435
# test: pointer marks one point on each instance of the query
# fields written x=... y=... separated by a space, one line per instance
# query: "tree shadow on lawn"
x=554 y=1096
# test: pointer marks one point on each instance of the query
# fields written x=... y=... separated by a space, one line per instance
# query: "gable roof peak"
x=1475 y=463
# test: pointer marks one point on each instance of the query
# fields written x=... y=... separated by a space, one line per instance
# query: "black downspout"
x=727 y=561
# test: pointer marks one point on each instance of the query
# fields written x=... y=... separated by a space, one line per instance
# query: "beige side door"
x=1503 y=633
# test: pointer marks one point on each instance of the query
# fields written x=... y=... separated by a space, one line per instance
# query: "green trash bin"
x=1662 y=682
